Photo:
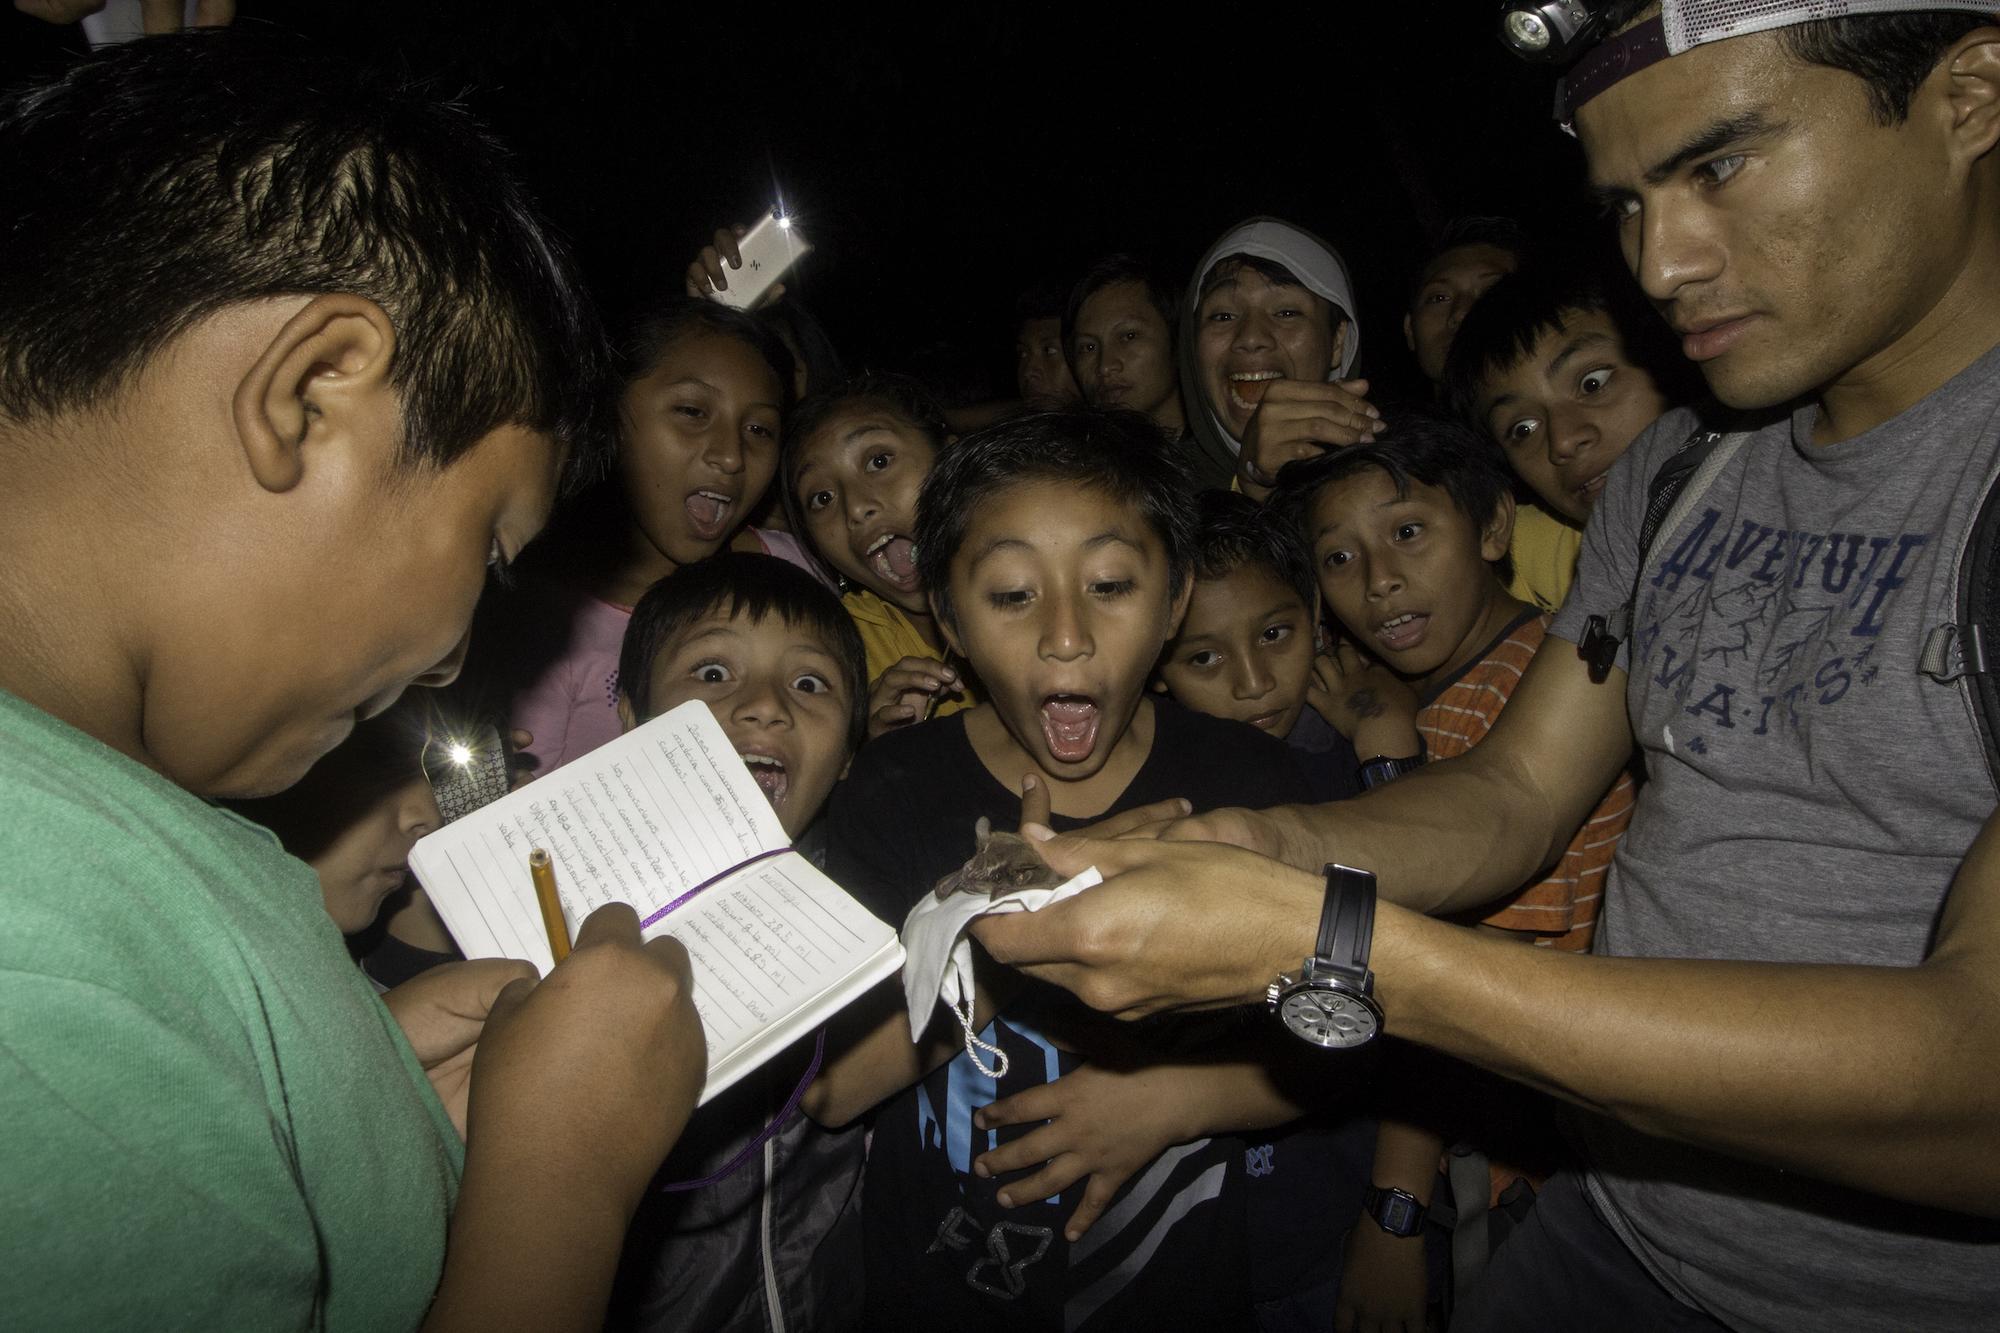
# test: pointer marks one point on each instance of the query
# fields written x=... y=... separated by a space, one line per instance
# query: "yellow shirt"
x=1544 y=551
x=889 y=637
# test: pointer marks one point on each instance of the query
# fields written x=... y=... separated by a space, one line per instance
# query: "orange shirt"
x=1560 y=911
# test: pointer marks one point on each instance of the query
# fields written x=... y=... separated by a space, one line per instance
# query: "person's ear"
x=322 y=379
x=627 y=719
x=1340 y=332
x=1971 y=94
x=1498 y=535
x=1409 y=334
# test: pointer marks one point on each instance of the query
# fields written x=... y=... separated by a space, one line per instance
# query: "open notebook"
x=663 y=811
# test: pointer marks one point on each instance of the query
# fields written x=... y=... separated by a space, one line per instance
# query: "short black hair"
x=160 y=181
x=738 y=583
x=1109 y=272
x=1416 y=446
x=1232 y=532
x=1502 y=233
x=1892 y=53
x=1522 y=308
x=1116 y=452
x=1044 y=300
x=901 y=396
x=673 y=318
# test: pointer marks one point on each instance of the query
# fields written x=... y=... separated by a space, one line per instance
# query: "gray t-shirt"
x=1810 y=797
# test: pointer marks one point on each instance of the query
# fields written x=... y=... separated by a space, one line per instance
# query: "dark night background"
x=941 y=160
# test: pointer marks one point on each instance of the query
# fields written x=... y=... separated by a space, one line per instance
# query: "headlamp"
x=1552 y=32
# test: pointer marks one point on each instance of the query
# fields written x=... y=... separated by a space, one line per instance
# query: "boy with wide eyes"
x=1404 y=534
x=1248 y=648
x=1056 y=549
x=780 y=664
x=1562 y=378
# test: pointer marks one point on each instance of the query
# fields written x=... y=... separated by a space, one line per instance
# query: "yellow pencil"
x=544 y=872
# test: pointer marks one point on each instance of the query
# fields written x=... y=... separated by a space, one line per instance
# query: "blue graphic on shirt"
x=1763 y=628
x=967 y=1090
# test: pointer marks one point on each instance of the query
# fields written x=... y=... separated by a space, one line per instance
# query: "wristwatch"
x=1383 y=769
x=1395 y=1211
x=1330 y=1000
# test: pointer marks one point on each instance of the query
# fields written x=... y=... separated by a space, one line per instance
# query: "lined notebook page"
x=775 y=947
x=640 y=820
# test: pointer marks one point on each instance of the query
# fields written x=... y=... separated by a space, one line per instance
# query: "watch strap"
x=1347 y=919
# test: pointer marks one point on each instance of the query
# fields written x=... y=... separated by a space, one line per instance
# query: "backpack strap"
x=1680 y=483
x=1968 y=650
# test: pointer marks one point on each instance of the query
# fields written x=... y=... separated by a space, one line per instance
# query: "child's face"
x=700 y=443
x=1410 y=577
x=780 y=697
x=1123 y=355
x=365 y=861
x=1452 y=284
x=1063 y=604
x=1250 y=331
x=1567 y=410
x=1041 y=371
x=1245 y=650
x=857 y=485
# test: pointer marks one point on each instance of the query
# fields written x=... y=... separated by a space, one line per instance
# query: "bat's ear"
x=982 y=831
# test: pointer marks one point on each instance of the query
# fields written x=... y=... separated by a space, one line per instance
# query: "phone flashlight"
x=466 y=769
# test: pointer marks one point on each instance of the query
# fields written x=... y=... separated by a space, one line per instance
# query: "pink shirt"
x=571 y=706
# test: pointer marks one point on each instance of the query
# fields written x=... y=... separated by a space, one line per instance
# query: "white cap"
x=1689 y=23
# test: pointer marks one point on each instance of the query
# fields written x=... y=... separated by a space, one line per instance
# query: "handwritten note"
x=775 y=946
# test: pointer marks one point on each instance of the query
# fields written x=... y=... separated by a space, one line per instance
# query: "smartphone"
x=466 y=769
x=769 y=250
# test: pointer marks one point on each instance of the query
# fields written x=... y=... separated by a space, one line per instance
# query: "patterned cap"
x=1686 y=24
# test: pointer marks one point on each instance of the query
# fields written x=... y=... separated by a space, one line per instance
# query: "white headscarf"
x=1318 y=267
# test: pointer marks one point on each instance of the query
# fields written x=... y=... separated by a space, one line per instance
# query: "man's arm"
x=1458 y=833
x=1875 y=1077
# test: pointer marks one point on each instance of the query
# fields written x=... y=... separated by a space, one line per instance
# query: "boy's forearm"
x=1406 y=1158
x=1862 y=1075
x=882 y=1061
x=529 y=1248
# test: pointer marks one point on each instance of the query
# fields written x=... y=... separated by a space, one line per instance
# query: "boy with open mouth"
x=778 y=662
x=1056 y=550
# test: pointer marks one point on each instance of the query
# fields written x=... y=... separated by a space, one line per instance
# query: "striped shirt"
x=1560 y=911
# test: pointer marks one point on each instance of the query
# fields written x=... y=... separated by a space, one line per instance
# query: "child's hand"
x=521 y=764
x=562 y=1095
x=1382 y=1285
x=904 y=693
x=710 y=270
x=1103 y=1123
x=1365 y=701
x=1300 y=418
x=442 y=1012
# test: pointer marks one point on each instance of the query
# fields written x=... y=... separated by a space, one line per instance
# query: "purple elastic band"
x=764 y=1134
x=1607 y=63
x=711 y=882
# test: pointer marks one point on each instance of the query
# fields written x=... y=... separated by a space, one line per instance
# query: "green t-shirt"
x=207 y=1118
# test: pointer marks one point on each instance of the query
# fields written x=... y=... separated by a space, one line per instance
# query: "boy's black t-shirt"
x=941 y=1253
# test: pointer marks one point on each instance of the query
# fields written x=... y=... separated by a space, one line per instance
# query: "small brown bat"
x=1005 y=863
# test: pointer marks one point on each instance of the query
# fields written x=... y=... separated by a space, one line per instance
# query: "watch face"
x=1327 y=1017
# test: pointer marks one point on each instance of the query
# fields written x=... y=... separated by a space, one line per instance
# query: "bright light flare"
x=461 y=753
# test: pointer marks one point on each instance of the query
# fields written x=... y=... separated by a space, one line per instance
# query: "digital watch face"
x=465 y=771
x=1329 y=1018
